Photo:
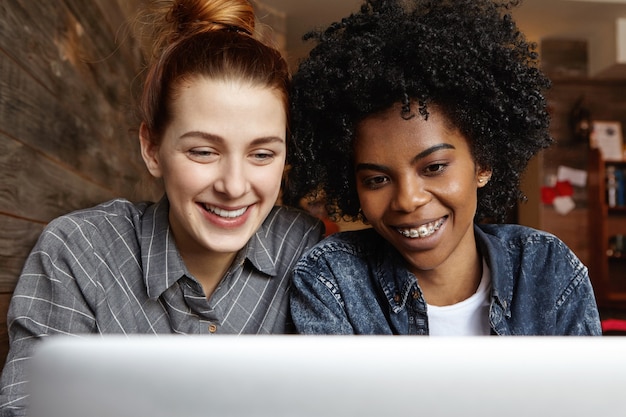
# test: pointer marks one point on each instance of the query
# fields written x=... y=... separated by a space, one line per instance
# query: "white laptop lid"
x=306 y=376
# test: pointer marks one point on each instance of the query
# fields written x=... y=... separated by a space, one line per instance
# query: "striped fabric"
x=114 y=269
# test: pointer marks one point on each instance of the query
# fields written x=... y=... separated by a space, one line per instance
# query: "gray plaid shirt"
x=114 y=268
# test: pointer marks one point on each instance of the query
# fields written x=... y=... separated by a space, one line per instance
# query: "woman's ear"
x=149 y=152
x=483 y=176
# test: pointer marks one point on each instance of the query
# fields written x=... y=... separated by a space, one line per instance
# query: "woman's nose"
x=410 y=194
x=232 y=180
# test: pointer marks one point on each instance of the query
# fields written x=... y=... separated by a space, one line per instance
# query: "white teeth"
x=226 y=213
x=424 y=230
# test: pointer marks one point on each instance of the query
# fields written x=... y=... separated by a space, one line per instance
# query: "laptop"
x=328 y=376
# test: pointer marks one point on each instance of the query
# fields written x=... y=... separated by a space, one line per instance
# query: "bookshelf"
x=607 y=230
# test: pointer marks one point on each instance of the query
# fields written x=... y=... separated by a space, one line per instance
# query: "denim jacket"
x=357 y=283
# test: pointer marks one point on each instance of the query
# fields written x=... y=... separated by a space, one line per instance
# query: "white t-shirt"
x=470 y=317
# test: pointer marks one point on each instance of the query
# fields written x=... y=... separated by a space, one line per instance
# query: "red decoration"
x=548 y=194
x=564 y=189
x=561 y=189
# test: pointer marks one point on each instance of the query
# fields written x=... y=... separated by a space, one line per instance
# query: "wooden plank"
x=36 y=188
x=121 y=16
x=4 y=337
x=86 y=122
x=110 y=54
x=63 y=135
x=66 y=120
x=16 y=241
x=74 y=42
x=108 y=32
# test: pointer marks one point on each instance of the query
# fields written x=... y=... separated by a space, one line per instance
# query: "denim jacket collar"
x=492 y=249
x=398 y=282
x=356 y=282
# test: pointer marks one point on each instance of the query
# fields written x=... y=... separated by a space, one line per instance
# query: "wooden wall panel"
x=68 y=71
x=18 y=238
x=88 y=119
x=4 y=337
x=36 y=188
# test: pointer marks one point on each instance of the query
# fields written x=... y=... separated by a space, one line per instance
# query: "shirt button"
x=212 y=328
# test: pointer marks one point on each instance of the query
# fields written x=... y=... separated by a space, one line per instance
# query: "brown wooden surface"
x=18 y=238
x=4 y=338
x=607 y=274
x=67 y=127
x=83 y=87
x=598 y=267
x=585 y=229
x=34 y=187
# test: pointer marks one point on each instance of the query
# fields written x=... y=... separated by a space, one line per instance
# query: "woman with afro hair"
x=418 y=117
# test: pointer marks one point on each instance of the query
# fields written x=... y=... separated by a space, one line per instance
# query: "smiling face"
x=221 y=159
x=417 y=184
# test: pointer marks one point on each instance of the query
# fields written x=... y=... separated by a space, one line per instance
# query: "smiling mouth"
x=422 y=231
x=227 y=214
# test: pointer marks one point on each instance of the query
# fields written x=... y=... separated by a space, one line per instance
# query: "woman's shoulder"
x=290 y=220
x=108 y=228
x=116 y=213
x=518 y=239
x=517 y=233
x=364 y=243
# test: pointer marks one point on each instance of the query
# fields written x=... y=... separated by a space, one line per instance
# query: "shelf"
x=617 y=297
x=607 y=271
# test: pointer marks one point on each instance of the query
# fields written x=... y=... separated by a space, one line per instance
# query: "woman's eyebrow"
x=371 y=167
x=219 y=139
x=423 y=154
x=267 y=140
x=433 y=149
x=203 y=135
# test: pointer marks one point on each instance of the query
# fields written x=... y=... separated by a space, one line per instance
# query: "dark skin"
x=408 y=52
x=417 y=182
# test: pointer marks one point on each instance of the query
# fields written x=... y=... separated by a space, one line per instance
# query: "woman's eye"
x=263 y=157
x=201 y=154
x=434 y=169
x=375 y=182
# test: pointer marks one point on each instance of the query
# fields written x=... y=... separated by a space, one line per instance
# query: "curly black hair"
x=467 y=58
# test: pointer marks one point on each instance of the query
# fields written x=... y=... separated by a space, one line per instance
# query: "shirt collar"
x=495 y=254
x=262 y=245
x=394 y=275
x=394 y=278
x=161 y=261
x=162 y=264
